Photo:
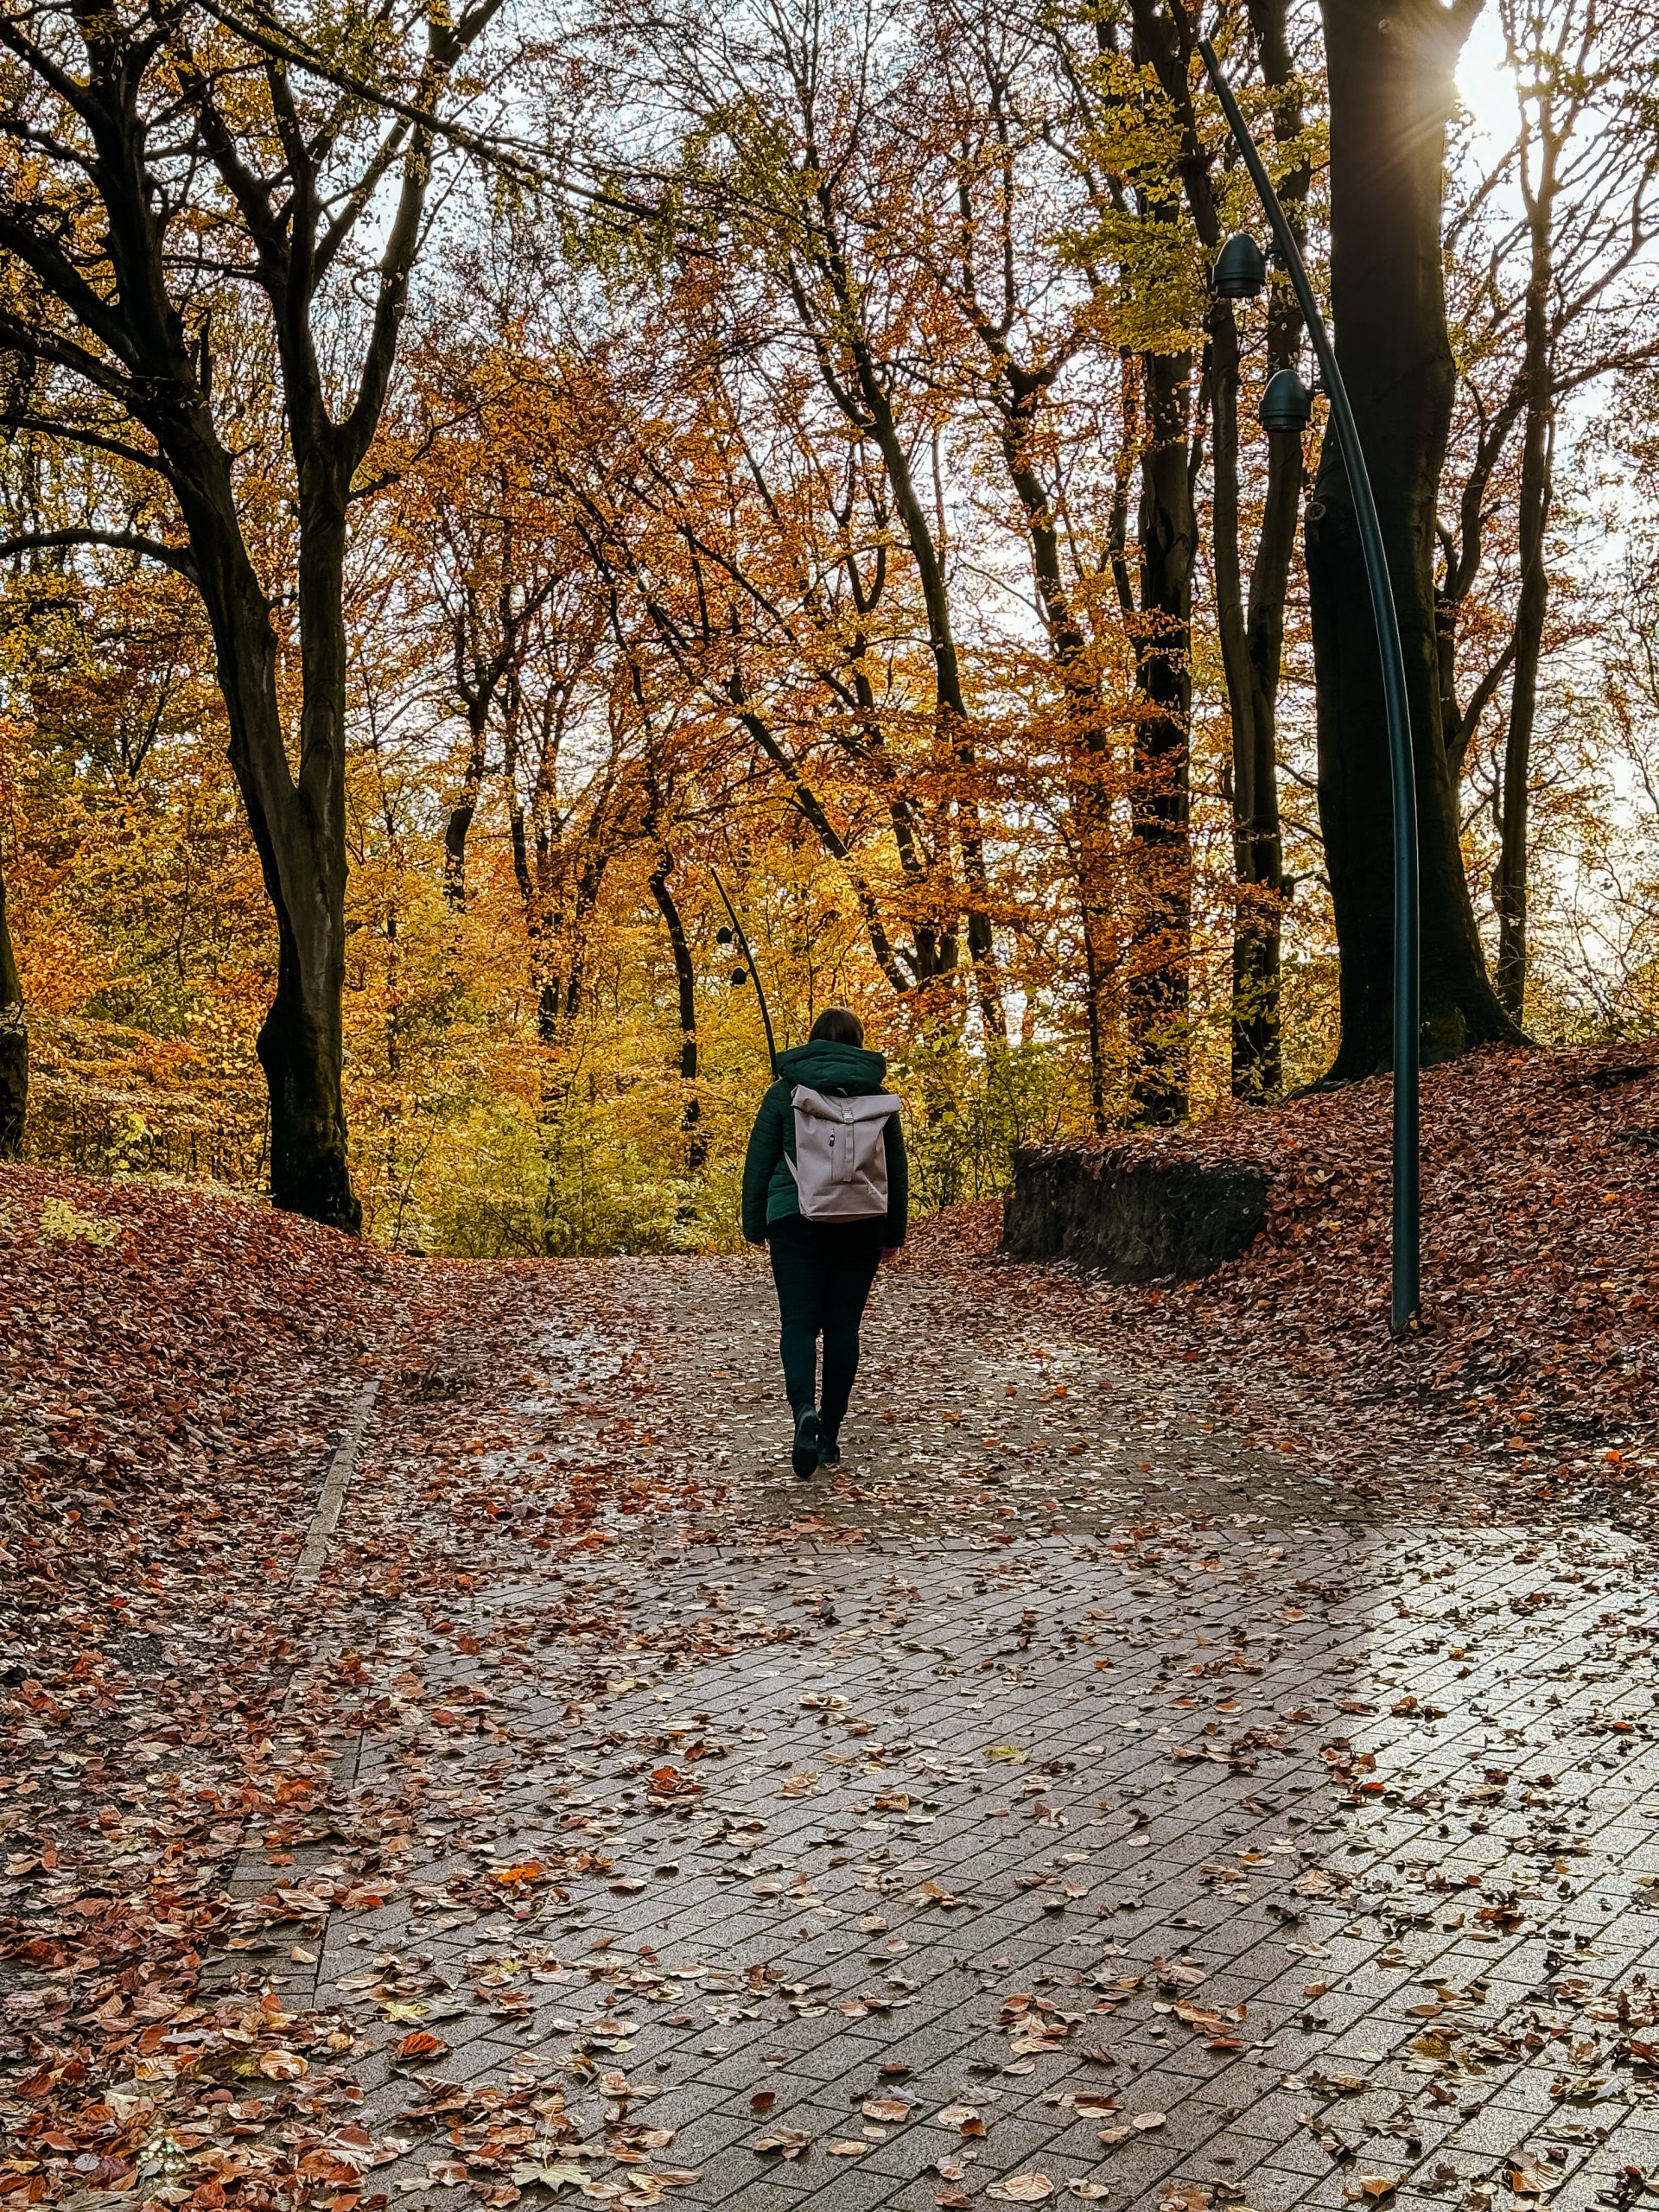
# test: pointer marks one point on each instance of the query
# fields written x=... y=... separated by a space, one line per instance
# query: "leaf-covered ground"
x=173 y=1368
x=1541 y=1256
x=593 y=1810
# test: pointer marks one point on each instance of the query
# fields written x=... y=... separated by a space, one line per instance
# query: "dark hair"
x=835 y=1025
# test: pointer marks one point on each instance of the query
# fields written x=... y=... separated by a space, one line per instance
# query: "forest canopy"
x=475 y=484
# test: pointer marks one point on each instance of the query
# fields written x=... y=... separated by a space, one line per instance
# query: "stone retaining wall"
x=1132 y=1222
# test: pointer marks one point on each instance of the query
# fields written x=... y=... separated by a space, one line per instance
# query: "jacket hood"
x=851 y=1069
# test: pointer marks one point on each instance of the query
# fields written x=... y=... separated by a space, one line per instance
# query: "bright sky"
x=1487 y=88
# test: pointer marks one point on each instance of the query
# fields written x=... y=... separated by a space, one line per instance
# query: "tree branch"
x=121 y=541
x=75 y=96
x=52 y=426
x=46 y=261
x=36 y=345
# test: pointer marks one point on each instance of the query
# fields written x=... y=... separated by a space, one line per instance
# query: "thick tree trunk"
x=1390 y=64
x=298 y=825
x=13 y=1043
x=300 y=1050
x=298 y=830
x=301 y=1046
x=1158 y=988
x=1159 y=984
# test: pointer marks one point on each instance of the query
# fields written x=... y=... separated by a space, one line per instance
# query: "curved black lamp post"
x=748 y=973
x=1241 y=274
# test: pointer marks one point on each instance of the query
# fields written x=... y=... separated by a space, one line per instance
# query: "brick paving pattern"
x=1078 y=1799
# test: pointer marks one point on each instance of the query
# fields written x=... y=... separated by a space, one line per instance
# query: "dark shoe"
x=804 y=1457
x=829 y=1450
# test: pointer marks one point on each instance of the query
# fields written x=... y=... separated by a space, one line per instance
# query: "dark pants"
x=824 y=1270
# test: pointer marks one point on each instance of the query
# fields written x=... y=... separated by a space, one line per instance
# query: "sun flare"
x=1486 y=82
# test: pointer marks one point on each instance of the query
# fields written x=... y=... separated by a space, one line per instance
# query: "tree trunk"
x=459 y=820
x=1537 y=458
x=298 y=829
x=1159 y=986
x=13 y=1043
x=685 y=977
x=1251 y=634
x=1157 y=994
x=541 y=926
x=300 y=1050
x=1510 y=882
x=1390 y=64
x=1258 y=842
x=1249 y=652
x=1258 y=1057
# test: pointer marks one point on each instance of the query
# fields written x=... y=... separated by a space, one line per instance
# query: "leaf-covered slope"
x=173 y=1369
x=1540 y=1239
x=172 y=1363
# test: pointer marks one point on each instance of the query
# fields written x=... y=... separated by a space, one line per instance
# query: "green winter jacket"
x=839 y=1071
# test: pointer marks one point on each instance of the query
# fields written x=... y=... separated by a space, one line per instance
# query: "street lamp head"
x=1286 y=405
x=1241 y=271
x=740 y=975
x=722 y=936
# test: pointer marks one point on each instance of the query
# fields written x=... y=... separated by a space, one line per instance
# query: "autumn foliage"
x=820 y=457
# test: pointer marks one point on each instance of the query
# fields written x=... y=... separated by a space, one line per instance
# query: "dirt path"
x=1092 y=1794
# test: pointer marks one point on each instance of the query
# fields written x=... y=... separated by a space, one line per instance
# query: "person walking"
x=826 y=1188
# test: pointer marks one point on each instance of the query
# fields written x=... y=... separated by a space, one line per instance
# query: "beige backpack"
x=840 y=1154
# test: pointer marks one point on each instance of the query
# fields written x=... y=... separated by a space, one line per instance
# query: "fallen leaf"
x=784 y=2143
x=549 y=2173
x=1528 y=2179
x=420 y=2043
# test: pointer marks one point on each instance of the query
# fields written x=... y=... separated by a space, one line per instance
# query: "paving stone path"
x=1083 y=1797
